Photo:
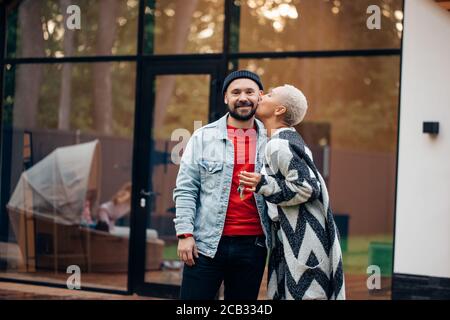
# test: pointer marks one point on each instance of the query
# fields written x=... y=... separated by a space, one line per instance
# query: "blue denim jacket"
x=204 y=182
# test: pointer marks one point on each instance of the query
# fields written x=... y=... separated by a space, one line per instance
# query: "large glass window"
x=44 y=28
x=302 y=25
x=351 y=127
x=70 y=132
x=180 y=26
x=180 y=100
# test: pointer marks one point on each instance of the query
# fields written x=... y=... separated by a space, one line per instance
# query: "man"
x=222 y=229
x=306 y=260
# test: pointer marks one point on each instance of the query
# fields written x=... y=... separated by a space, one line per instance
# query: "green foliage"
x=53 y=28
x=357 y=96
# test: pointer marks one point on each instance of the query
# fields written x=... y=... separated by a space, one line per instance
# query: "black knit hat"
x=239 y=75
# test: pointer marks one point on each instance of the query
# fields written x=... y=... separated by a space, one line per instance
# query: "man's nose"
x=243 y=96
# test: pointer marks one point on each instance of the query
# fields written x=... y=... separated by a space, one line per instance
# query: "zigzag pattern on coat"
x=305 y=260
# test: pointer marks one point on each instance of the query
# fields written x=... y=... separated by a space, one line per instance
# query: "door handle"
x=145 y=195
x=149 y=193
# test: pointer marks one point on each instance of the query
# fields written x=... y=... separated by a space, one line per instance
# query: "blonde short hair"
x=295 y=102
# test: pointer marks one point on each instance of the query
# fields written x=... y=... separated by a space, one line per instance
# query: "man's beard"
x=237 y=116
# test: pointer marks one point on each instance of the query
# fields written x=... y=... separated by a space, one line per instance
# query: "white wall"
x=422 y=243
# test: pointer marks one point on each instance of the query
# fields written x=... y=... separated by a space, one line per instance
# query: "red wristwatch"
x=184 y=235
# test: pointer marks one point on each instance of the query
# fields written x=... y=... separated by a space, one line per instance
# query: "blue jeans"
x=239 y=263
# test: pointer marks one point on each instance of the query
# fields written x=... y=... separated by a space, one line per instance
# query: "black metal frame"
x=145 y=161
x=146 y=66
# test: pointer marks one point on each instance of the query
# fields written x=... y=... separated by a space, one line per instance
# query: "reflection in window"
x=181 y=103
x=361 y=105
x=63 y=97
x=296 y=25
x=179 y=26
x=70 y=174
x=39 y=28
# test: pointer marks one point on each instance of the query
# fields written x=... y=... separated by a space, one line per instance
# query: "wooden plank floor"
x=355 y=286
x=15 y=291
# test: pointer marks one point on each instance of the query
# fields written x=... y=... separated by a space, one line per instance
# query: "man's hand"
x=187 y=250
x=250 y=180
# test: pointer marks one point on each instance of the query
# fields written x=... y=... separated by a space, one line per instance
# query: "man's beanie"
x=239 y=75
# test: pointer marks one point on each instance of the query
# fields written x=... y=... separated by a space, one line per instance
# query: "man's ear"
x=260 y=94
x=225 y=99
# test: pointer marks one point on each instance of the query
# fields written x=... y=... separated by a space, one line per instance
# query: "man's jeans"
x=239 y=263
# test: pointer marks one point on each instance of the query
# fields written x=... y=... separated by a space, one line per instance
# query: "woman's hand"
x=250 y=180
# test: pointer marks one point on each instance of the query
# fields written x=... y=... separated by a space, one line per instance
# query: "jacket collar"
x=222 y=127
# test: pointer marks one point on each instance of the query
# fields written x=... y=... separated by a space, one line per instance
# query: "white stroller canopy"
x=56 y=187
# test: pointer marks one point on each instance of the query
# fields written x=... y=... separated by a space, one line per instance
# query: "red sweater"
x=242 y=218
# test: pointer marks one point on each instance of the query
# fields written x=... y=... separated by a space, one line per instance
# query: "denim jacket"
x=204 y=182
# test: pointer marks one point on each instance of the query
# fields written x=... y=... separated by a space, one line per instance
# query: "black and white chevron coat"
x=305 y=259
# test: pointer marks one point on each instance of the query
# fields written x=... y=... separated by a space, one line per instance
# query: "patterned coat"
x=305 y=260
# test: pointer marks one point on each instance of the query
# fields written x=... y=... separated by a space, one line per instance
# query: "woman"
x=305 y=260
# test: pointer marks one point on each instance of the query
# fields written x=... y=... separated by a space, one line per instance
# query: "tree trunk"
x=183 y=15
x=103 y=105
x=28 y=76
x=65 y=98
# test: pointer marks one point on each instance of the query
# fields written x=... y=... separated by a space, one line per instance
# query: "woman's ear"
x=279 y=110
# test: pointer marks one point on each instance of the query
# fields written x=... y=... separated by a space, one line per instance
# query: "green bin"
x=341 y=221
x=380 y=254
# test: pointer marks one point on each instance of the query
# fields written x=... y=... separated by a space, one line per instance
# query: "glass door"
x=179 y=98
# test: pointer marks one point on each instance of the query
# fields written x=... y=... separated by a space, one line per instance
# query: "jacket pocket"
x=211 y=174
x=211 y=166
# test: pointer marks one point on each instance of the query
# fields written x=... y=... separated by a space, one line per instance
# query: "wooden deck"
x=355 y=286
